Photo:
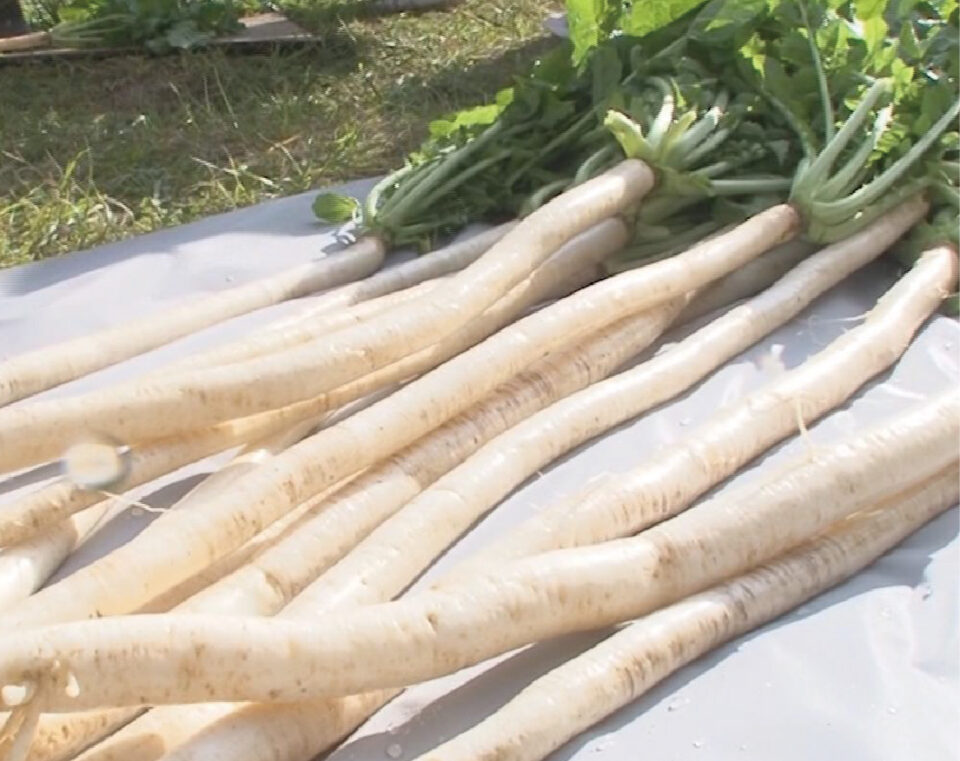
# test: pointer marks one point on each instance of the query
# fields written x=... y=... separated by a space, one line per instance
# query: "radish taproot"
x=40 y=369
x=107 y=587
x=168 y=406
x=182 y=659
x=337 y=524
x=352 y=303
x=588 y=688
x=672 y=479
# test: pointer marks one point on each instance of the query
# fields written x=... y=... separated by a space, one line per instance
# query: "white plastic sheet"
x=867 y=672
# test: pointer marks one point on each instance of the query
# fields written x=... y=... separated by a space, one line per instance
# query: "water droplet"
x=885 y=613
x=95 y=464
x=698 y=743
x=743 y=746
x=925 y=591
x=602 y=745
x=686 y=421
x=676 y=705
x=891 y=710
x=394 y=750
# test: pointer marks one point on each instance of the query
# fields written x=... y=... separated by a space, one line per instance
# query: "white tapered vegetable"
x=588 y=688
x=434 y=264
x=352 y=303
x=599 y=307
x=45 y=507
x=172 y=405
x=672 y=479
x=37 y=370
x=180 y=544
x=61 y=737
x=25 y=567
x=277 y=338
x=199 y=658
x=385 y=563
x=434 y=520
x=282 y=571
x=758 y=274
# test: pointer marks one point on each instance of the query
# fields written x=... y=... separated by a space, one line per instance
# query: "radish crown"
x=842 y=109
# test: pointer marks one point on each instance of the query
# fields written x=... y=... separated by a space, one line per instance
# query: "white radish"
x=672 y=479
x=380 y=567
x=182 y=659
x=180 y=544
x=25 y=567
x=62 y=736
x=47 y=506
x=588 y=688
x=368 y=500
x=278 y=338
x=352 y=303
x=756 y=275
x=429 y=266
x=235 y=735
x=290 y=732
x=37 y=370
x=342 y=521
x=283 y=570
x=413 y=539
x=171 y=405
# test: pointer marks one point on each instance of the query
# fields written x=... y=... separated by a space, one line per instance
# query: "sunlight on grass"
x=98 y=150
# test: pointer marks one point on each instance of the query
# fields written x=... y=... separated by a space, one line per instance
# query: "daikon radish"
x=166 y=658
x=367 y=297
x=283 y=570
x=37 y=370
x=45 y=507
x=25 y=567
x=588 y=688
x=672 y=479
x=181 y=544
x=171 y=405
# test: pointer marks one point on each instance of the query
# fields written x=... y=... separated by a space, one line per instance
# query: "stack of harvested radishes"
x=655 y=176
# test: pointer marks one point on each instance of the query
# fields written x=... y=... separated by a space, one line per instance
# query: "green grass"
x=98 y=150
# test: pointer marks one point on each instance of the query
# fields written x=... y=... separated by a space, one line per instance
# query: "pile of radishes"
x=263 y=616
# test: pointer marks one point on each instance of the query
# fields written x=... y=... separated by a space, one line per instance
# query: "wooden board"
x=261 y=31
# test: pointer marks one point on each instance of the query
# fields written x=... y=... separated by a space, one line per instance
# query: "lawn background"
x=98 y=150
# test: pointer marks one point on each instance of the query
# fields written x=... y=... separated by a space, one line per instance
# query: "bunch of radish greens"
x=731 y=159
x=158 y=26
x=734 y=105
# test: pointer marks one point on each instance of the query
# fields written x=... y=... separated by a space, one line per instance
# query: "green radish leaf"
x=590 y=22
x=185 y=35
x=874 y=33
x=554 y=110
x=335 y=208
x=870 y=9
x=644 y=17
x=909 y=44
x=473 y=117
x=720 y=23
x=629 y=134
x=607 y=71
